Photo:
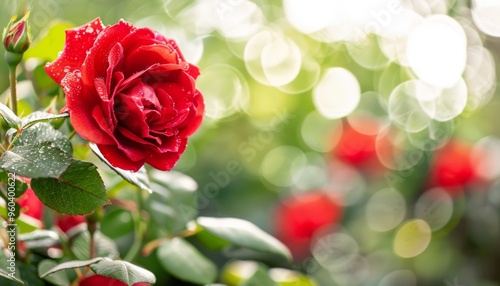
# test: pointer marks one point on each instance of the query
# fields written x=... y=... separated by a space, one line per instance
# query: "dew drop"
x=89 y=29
x=66 y=69
x=78 y=73
x=40 y=151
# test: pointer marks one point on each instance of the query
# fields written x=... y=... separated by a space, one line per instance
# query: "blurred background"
x=364 y=134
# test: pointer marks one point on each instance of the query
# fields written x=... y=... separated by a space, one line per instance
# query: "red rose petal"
x=96 y=63
x=78 y=41
x=166 y=161
x=119 y=159
x=81 y=105
x=194 y=124
x=145 y=56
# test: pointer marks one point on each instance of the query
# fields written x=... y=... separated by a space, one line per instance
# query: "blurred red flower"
x=298 y=217
x=31 y=205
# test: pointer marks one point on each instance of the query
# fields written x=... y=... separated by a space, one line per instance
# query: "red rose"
x=31 y=205
x=98 y=280
x=130 y=91
x=299 y=217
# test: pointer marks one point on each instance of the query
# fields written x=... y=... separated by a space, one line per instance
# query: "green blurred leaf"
x=117 y=223
x=70 y=265
x=185 y=262
x=50 y=42
x=123 y=271
x=259 y=278
x=40 y=133
x=6 y=275
x=173 y=201
x=79 y=190
x=59 y=278
x=9 y=116
x=40 y=116
x=244 y=234
x=139 y=178
x=36 y=160
x=105 y=247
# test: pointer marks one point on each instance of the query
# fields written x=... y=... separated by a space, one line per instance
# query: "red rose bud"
x=31 y=205
x=130 y=91
x=98 y=280
x=300 y=216
x=67 y=223
x=16 y=39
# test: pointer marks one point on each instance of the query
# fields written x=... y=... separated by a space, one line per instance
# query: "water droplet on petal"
x=66 y=69
x=89 y=29
x=78 y=73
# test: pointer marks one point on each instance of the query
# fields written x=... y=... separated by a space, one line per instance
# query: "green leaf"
x=39 y=116
x=59 y=278
x=123 y=271
x=36 y=160
x=40 y=239
x=259 y=278
x=185 y=262
x=139 y=178
x=105 y=247
x=70 y=265
x=9 y=116
x=43 y=132
x=6 y=275
x=20 y=186
x=117 y=223
x=50 y=42
x=173 y=201
x=79 y=190
x=244 y=234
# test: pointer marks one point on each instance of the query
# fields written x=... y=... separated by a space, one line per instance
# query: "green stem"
x=138 y=229
x=13 y=89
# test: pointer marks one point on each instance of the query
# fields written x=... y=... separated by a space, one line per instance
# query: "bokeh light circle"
x=437 y=51
x=385 y=210
x=337 y=94
x=223 y=98
x=435 y=206
x=399 y=277
x=412 y=238
x=280 y=163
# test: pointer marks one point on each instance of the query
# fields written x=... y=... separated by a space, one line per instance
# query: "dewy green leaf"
x=123 y=271
x=79 y=190
x=9 y=116
x=59 y=278
x=139 y=178
x=43 y=132
x=36 y=160
x=245 y=234
x=39 y=116
x=183 y=261
x=69 y=265
x=6 y=275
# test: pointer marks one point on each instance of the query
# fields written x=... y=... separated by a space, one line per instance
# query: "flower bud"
x=16 y=39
